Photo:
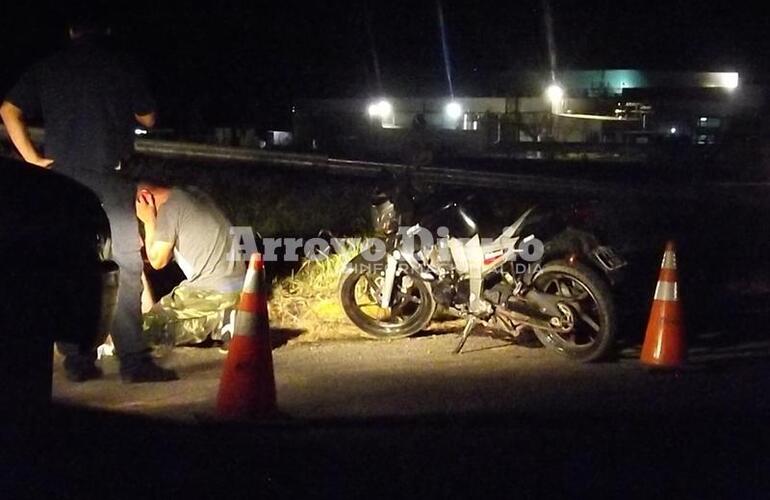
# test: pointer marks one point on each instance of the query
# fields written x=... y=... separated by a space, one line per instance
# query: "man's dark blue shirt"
x=87 y=96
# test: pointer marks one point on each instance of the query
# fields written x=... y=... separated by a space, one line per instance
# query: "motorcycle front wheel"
x=588 y=296
x=411 y=309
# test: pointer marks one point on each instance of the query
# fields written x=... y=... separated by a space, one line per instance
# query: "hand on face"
x=145 y=206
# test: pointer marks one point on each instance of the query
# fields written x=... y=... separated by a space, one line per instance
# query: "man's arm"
x=159 y=253
x=13 y=117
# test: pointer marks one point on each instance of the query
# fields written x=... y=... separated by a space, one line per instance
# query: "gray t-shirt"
x=200 y=233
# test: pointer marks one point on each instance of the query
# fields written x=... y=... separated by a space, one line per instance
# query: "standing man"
x=90 y=100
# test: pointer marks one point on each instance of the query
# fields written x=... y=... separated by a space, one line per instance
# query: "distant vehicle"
x=56 y=276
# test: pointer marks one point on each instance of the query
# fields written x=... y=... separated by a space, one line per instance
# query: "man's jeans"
x=118 y=196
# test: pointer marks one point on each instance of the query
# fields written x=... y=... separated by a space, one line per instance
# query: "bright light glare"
x=673 y=130
x=554 y=93
x=381 y=109
x=140 y=131
x=453 y=110
x=729 y=80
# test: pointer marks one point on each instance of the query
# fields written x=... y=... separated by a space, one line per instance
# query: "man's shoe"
x=224 y=345
x=146 y=371
x=83 y=373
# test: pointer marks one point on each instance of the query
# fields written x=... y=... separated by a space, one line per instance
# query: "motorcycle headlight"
x=385 y=218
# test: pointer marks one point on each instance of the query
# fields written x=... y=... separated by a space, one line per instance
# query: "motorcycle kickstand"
x=472 y=320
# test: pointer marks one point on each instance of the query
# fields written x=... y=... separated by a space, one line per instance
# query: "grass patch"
x=307 y=300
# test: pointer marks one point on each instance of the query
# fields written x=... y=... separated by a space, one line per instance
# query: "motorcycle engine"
x=444 y=292
x=451 y=292
x=499 y=293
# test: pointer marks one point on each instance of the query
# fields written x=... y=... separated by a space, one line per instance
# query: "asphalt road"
x=403 y=419
x=420 y=376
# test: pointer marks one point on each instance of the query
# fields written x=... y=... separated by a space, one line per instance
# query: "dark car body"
x=57 y=281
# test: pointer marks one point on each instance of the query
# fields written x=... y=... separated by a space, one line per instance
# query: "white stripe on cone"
x=669 y=260
x=250 y=283
x=667 y=291
x=245 y=321
x=244 y=324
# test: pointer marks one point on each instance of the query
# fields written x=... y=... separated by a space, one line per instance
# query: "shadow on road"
x=281 y=336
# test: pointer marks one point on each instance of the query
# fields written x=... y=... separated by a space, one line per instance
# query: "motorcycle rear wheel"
x=593 y=335
x=411 y=309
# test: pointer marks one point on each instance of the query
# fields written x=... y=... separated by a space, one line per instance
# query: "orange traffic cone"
x=247 y=386
x=664 y=342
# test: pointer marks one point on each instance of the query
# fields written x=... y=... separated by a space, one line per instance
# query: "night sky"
x=234 y=60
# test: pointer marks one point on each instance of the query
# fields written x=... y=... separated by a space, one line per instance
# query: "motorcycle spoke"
x=553 y=283
x=373 y=288
x=412 y=299
x=578 y=295
x=573 y=290
x=405 y=301
x=396 y=311
x=372 y=283
x=366 y=291
x=590 y=322
x=576 y=338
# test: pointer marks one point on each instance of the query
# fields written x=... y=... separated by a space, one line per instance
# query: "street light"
x=555 y=93
x=381 y=109
x=453 y=110
x=729 y=81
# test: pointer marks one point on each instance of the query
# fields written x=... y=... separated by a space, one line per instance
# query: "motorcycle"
x=539 y=275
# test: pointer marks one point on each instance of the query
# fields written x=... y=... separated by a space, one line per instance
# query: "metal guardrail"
x=537 y=182
x=436 y=174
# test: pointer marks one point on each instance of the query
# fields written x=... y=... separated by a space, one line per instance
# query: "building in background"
x=591 y=113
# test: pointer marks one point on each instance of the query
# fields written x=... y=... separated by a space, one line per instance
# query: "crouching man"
x=186 y=225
